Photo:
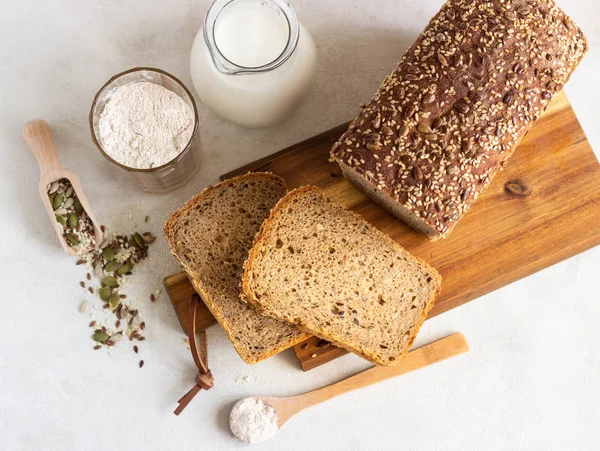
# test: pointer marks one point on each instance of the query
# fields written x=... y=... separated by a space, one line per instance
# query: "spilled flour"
x=144 y=125
x=252 y=420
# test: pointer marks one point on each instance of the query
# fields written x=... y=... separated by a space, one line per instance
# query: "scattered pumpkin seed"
x=108 y=254
x=104 y=293
x=125 y=269
x=114 y=301
x=112 y=266
x=100 y=337
x=132 y=242
x=139 y=241
x=73 y=220
x=110 y=281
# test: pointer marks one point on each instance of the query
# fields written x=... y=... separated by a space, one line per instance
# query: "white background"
x=530 y=381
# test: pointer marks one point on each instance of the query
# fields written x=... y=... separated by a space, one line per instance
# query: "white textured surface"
x=531 y=380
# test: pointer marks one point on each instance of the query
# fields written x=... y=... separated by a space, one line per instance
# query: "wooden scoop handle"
x=38 y=136
x=434 y=352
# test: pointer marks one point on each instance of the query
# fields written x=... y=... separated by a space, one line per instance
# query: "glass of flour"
x=144 y=121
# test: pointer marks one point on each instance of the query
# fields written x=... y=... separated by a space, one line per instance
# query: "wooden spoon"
x=437 y=351
x=38 y=136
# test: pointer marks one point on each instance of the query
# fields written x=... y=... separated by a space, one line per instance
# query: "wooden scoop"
x=38 y=136
x=434 y=352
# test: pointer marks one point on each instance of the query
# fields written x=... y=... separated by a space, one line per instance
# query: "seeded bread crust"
x=224 y=308
x=260 y=241
x=462 y=98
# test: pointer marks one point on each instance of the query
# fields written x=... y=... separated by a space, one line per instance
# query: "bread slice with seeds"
x=210 y=237
x=325 y=269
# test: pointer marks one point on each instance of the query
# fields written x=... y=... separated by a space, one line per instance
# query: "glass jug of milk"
x=252 y=62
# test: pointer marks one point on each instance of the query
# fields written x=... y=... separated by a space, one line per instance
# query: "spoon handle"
x=38 y=137
x=437 y=351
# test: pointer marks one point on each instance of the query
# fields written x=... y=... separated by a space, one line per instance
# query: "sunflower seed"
x=53 y=187
x=465 y=194
x=442 y=59
x=428 y=99
x=98 y=271
x=518 y=68
x=462 y=107
x=418 y=173
x=410 y=112
x=387 y=131
x=423 y=127
x=377 y=121
x=83 y=308
x=404 y=131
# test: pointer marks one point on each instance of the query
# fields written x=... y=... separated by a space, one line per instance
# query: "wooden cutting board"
x=543 y=208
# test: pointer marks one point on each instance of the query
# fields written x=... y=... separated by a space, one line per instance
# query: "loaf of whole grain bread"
x=326 y=270
x=463 y=96
x=210 y=237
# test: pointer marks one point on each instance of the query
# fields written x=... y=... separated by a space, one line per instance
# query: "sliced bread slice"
x=321 y=267
x=210 y=237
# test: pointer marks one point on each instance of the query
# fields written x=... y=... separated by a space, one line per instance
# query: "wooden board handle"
x=38 y=137
x=434 y=352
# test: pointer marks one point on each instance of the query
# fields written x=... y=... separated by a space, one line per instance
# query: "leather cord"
x=204 y=378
